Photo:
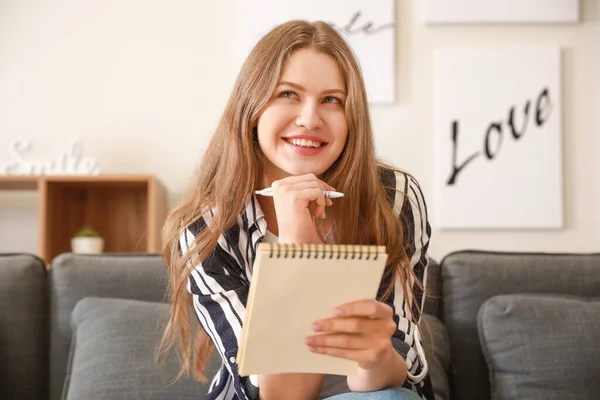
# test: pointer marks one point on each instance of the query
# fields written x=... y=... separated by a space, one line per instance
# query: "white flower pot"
x=87 y=245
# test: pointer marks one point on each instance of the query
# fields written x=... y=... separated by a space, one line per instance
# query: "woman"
x=298 y=121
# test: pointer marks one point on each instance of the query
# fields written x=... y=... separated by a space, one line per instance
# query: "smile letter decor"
x=66 y=163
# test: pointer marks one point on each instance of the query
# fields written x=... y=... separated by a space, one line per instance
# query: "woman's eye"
x=287 y=94
x=332 y=100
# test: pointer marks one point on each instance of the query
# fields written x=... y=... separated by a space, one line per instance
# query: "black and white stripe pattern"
x=220 y=284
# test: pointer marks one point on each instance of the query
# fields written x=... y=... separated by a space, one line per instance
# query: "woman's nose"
x=309 y=117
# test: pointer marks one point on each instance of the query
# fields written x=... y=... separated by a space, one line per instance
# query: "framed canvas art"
x=497 y=129
x=369 y=27
x=499 y=11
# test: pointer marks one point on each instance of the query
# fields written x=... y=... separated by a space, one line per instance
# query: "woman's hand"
x=361 y=331
x=293 y=197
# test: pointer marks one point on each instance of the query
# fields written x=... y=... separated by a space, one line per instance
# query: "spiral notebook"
x=293 y=286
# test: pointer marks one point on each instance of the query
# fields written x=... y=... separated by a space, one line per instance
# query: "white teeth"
x=305 y=143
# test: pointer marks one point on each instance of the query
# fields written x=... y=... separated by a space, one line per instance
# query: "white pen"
x=328 y=193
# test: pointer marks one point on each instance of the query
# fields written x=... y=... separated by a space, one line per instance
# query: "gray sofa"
x=504 y=326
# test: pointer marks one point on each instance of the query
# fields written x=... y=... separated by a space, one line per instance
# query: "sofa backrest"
x=75 y=276
x=469 y=278
x=23 y=327
x=432 y=302
x=35 y=320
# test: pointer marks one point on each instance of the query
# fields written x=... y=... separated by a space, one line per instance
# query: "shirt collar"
x=255 y=216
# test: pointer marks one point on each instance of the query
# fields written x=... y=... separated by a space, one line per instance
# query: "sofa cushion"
x=433 y=283
x=113 y=354
x=23 y=327
x=469 y=278
x=541 y=347
x=75 y=276
x=437 y=350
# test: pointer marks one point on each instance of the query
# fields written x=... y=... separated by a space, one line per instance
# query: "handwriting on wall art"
x=492 y=138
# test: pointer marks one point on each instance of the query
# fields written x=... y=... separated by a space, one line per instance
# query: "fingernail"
x=309 y=340
x=337 y=311
x=317 y=327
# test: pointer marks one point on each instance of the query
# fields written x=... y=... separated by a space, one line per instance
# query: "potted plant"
x=87 y=241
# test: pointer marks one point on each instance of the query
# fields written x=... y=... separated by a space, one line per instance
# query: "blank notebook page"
x=288 y=294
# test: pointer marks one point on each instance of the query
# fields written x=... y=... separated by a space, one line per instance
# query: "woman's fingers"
x=296 y=179
x=318 y=197
x=349 y=354
x=365 y=308
x=302 y=190
x=364 y=316
x=328 y=186
x=367 y=359
x=360 y=331
x=341 y=341
x=353 y=325
x=309 y=191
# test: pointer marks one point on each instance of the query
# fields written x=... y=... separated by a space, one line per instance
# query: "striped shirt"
x=219 y=286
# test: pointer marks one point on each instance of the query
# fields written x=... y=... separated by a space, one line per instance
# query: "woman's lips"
x=305 y=151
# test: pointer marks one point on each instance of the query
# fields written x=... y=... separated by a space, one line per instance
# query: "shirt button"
x=232 y=360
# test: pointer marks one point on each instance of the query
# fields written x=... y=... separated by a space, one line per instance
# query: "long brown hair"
x=234 y=157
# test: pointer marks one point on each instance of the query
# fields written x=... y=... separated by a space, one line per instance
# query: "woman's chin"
x=304 y=171
x=283 y=171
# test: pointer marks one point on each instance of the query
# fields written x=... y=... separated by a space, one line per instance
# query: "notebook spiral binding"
x=330 y=251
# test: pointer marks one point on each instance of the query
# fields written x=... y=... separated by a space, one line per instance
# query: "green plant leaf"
x=87 y=231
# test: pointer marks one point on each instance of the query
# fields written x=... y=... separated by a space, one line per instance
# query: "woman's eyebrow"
x=301 y=88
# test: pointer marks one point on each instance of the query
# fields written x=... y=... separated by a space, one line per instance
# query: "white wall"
x=143 y=84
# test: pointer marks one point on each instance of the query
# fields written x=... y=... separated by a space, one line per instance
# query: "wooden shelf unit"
x=127 y=210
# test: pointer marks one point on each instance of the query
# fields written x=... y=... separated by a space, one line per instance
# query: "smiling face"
x=303 y=129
